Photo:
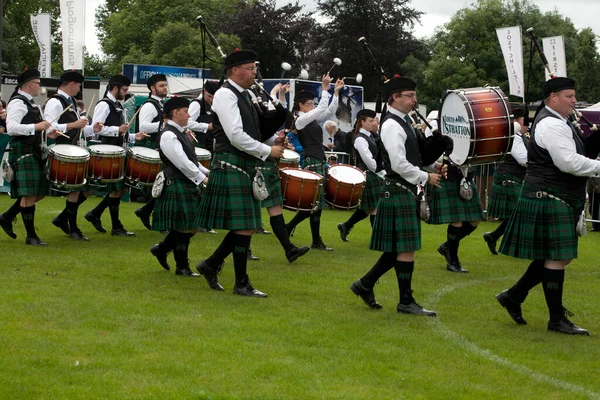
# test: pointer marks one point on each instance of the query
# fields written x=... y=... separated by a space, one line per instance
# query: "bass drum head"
x=455 y=122
x=346 y=174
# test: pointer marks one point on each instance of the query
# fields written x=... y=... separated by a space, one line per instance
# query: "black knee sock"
x=280 y=231
x=13 y=210
x=299 y=217
x=404 y=270
x=241 y=244
x=466 y=229
x=530 y=279
x=221 y=252
x=149 y=206
x=169 y=242
x=71 y=214
x=315 y=226
x=383 y=265
x=180 y=251
x=113 y=207
x=453 y=240
x=499 y=231
x=355 y=218
x=64 y=214
x=81 y=199
x=103 y=205
x=553 y=289
x=28 y=215
x=372 y=219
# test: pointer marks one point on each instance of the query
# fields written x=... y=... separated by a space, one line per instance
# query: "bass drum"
x=480 y=122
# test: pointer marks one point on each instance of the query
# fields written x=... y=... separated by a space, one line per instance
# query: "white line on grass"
x=447 y=333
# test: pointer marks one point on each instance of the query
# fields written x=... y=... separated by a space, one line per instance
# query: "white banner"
x=72 y=16
x=512 y=49
x=40 y=24
x=554 y=50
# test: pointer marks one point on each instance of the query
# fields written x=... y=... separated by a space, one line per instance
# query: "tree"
x=585 y=67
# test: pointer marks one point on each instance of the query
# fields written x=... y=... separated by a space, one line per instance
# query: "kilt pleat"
x=315 y=165
x=270 y=171
x=447 y=206
x=177 y=207
x=228 y=202
x=371 y=192
x=30 y=173
x=504 y=196
x=542 y=228
x=397 y=227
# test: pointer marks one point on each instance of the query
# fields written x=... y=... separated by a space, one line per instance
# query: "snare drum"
x=107 y=163
x=480 y=122
x=290 y=159
x=301 y=189
x=345 y=184
x=143 y=164
x=67 y=166
x=203 y=156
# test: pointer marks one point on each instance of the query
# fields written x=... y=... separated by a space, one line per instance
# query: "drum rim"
x=52 y=151
x=310 y=173
x=95 y=147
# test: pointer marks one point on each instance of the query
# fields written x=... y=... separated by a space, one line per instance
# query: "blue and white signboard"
x=139 y=73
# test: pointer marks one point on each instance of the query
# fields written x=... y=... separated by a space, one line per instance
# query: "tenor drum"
x=203 y=156
x=301 y=189
x=107 y=163
x=480 y=122
x=345 y=184
x=143 y=164
x=67 y=166
x=290 y=159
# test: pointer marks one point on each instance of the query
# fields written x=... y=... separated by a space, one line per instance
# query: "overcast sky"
x=583 y=13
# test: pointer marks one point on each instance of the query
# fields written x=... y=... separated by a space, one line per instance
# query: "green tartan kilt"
x=30 y=173
x=177 y=208
x=542 y=229
x=504 y=196
x=270 y=171
x=447 y=206
x=371 y=192
x=397 y=226
x=315 y=165
x=228 y=202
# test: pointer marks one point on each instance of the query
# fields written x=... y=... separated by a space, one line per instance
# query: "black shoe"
x=566 y=326
x=248 y=290
x=443 y=250
x=186 y=271
x=160 y=256
x=416 y=309
x=78 y=235
x=121 y=232
x=252 y=257
x=456 y=267
x=61 y=223
x=262 y=231
x=491 y=242
x=367 y=295
x=34 y=241
x=295 y=252
x=320 y=246
x=210 y=275
x=95 y=221
x=512 y=307
x=6 y=225
x=144 y=217
x=343 y=231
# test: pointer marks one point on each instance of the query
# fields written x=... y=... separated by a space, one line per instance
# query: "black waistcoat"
x=205 y=139
x=250 y=123
x=372 y=148
x=511 y=166
x=311 y=138
x=541 y=171
x=413 y=155
x=68 y=117
x=170 y=170
x=116 y=117
x=158 y=118
x=33 y=116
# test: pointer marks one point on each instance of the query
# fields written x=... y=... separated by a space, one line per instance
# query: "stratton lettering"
x=451 y=128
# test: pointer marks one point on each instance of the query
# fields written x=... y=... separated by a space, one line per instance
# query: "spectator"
x=339 y=141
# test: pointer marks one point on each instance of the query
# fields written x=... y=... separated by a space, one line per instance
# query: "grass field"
x=102 y=320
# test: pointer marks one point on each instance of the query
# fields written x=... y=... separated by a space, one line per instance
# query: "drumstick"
x=58 y=116
x=90 y=106
x=62 y=134
x=191 y=133
x=134 y=115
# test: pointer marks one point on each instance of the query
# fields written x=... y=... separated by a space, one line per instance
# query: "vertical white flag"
x=554 y=50
x=40 y=24
x=72 y=17
x=512 y=49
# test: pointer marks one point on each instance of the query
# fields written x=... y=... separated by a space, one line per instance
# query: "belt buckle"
x=539 y=194
x=386 y=195
x=388 y=183
x=504 y=183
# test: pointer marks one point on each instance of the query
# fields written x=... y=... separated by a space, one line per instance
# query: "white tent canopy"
x=184 y=86
x=595 y=107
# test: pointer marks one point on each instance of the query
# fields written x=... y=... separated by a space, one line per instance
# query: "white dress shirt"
x=556 y=137
x=15 y=112
x=172 y=149
x=319 y=114
x=518 y=150
x=194 y=112
x=101 y=112
x=54 y=107
x=362 y=147
x=225 y=105
x=147 y=114
x=394 y=138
